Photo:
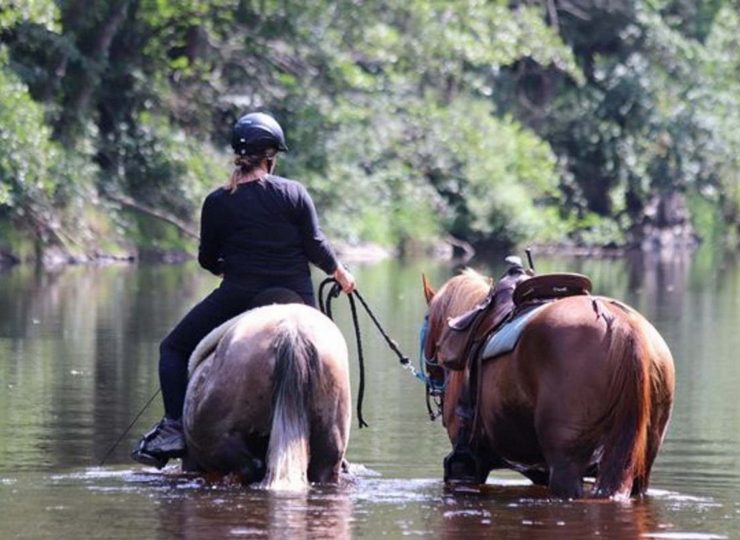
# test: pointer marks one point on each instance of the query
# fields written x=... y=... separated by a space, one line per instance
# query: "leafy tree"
x=493 y=121
x=38 y=190
x=636 y=132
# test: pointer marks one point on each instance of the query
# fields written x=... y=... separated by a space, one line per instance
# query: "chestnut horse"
x=269 y=398
x=587 y=391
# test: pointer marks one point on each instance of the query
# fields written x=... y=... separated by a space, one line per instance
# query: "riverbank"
x=55 y=257
x=349 y=254
x=664 y=245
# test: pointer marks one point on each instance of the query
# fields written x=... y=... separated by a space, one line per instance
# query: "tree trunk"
x=85 y=79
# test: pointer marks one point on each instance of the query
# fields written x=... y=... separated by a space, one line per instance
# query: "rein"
x=128 y=428
x=326 y=309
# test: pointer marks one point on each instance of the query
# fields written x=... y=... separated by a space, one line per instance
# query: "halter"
x=434 y=389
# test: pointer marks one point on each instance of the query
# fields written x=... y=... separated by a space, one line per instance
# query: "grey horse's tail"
x=295 y=380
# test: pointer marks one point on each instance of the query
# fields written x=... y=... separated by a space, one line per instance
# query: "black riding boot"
x=163 y=442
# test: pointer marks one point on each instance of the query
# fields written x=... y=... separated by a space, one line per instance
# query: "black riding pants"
x=227 y=301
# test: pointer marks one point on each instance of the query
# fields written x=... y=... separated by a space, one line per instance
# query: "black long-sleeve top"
x=267 y=227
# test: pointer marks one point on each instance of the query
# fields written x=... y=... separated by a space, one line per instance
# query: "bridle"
x=434 y=389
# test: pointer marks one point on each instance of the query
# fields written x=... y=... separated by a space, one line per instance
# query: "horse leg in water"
x=327 y=453
x=566 y=467
x=560 y=361
x=330 y=424
x=215 y=445
x=566 y=470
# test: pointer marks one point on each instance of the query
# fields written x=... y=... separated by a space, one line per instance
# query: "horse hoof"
x=461 y=468
x=252 y=471
x=189 y=465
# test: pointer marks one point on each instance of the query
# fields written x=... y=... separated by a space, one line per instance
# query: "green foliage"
x=490 y=120
x=25 y=153
x=424 y=169
x=719 y=106
x=43 y=188
x=453 y=46
x=491 y=174
x=653 y=116
x=41 y=12
x=154 y=160
x=413 y=127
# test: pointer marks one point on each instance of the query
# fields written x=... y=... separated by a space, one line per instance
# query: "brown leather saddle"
x=550 y=287
x=465 y=332
x=512 y=294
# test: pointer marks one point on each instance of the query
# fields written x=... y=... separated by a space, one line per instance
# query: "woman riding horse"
x=258 y=232
x=586 y=391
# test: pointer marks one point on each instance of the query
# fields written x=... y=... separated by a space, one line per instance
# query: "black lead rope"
x=361 y=361
x=333 y=293
x=326 y=309
x=391 y=343
x=402 y=358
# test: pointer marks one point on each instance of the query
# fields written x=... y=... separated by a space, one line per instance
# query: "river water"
x=78 y=352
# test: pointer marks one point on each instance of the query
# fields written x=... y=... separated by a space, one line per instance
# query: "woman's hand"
x=344 y=278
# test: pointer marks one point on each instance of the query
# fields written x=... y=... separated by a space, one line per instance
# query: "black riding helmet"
x=256 y=132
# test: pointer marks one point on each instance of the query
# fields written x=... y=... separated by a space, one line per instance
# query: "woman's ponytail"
x=244 y=165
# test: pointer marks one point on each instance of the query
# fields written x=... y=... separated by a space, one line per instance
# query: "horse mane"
x=461 y=292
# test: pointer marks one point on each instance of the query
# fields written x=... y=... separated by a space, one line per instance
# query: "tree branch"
x=132 y=204
x=462 y=246
x=552 y=12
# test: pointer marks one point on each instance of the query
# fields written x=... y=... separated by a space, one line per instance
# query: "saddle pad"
x=505 y=339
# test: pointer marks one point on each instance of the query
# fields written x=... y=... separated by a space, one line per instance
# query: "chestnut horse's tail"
x=625 y=443
x=295 y=378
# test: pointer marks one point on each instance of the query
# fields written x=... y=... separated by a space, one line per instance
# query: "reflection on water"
x=131 y=503
x=78 y=361
x=222 y=513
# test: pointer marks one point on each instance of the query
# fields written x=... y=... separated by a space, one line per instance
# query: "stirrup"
x=139 y=455
x=153 y=452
